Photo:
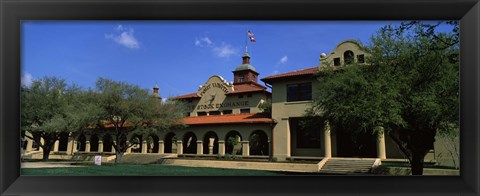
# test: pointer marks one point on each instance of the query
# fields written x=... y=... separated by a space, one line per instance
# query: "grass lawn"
x=143 y=170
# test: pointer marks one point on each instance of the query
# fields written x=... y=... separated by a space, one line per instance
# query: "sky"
x=178 y=56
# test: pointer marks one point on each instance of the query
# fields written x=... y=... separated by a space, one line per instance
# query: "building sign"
x=217 y=83
x=223 y=105
x=213 y=96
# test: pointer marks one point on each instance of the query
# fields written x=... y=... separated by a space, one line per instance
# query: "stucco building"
x=227 y=118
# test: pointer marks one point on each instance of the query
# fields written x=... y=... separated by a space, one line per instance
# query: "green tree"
x=50 y=107
x=265 y=106
x=410 y=86
x=128 y=109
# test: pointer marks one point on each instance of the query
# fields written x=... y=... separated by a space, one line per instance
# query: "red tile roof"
x=191 y=95
x=238 y=88
x=249 y=118
x=308 y=71
x=247 y=87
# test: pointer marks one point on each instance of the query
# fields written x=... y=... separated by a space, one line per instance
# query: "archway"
x=63 y=142
x=209 y=136
x=348 y=57
x=233 y=143
x=258 y=141
x=190 y=143
x=170 y=143
x=107 y=143
x=81 y=143
x=94 y=143
x=152 y=143
x=136 y=143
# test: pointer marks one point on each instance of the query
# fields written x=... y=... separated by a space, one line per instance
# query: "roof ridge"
x=290 y=72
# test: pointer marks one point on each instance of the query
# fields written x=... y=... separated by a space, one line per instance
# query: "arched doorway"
x=152 y=143
x=190 y=143
x=210 y=138
x=94 y=143
x=170 y=143
x=136 y=143
x=107 y=143
x=233 y=143
x=81 y=141
x=258 y=141
x=63 y=142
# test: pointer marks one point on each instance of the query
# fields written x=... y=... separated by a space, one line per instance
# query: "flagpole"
x=246 y=41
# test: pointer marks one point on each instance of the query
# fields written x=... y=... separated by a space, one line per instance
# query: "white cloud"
x=120 y=28
x=27 y=79
x=124 y=38
x=225 y=50
x=275 y=72
x=222 y=50
x=204 y=41
x=284 y=59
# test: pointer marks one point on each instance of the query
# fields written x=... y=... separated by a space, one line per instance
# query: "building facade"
x=228 y=118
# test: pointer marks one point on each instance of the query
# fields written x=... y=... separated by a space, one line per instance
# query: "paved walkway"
x=47 y=164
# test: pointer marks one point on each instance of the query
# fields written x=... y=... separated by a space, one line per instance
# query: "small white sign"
x=98 y=160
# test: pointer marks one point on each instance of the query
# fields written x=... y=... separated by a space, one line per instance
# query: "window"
x=299 y=92
x=187 y=114
x=348 y=57
x=245 y=110
x=227 y=111
x=361 y=58
x=249 y=95
x=336 y=61
x=240 y=79
x=214 y=113
x=240 y=96
x=201 y=113
x=190 y=101
x=306 y=136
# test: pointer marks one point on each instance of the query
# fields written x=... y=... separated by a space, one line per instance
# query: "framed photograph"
x=120 y=25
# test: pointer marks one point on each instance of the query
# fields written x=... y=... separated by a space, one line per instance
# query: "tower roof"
x=245 y=67
x=245 y=64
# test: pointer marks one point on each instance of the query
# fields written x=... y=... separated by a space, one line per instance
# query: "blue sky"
x=178 y=56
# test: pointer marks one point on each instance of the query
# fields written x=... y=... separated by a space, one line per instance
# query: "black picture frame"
x=12 y=12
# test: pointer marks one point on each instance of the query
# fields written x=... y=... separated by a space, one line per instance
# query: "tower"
x=155 y=92
x=245 y=72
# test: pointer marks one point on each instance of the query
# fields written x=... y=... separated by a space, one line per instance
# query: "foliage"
x=50 y=107
x=232 y=140
x=451 y=142
x=265 y=106
x=410 y=86
x=127 y=109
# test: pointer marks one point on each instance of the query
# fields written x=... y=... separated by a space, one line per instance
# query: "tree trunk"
x=417 y=164
x=47 y=147
x=415 y=149
x=46 y=153
x=118 y=156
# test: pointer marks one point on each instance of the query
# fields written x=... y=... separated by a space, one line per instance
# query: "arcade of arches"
x=201 y=142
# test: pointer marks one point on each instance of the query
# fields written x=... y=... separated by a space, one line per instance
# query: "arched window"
x=348 y=57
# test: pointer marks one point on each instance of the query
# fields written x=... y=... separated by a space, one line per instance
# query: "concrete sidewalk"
x=47 y=164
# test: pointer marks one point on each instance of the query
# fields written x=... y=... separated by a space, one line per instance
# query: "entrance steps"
x=348 y=165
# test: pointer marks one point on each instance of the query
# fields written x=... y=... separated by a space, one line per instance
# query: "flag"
x=250 y=33
x=252 y=39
